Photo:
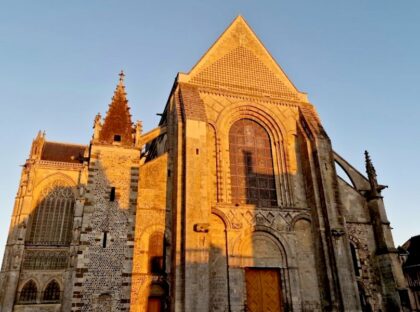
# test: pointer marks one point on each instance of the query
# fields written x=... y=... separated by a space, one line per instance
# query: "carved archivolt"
x=278 y=140
x=53 y=183
x=260 y=247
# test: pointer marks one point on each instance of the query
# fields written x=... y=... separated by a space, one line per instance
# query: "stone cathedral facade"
x=232 y=203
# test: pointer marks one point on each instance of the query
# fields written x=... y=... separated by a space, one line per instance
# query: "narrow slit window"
x=104 y=239
x=356 y=260
x=112 y=194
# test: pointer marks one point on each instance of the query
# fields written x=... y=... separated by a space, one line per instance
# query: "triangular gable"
x=239 y=62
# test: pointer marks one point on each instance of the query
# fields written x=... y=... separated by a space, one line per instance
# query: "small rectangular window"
x=104 y=239
x=117 y=138
x=112 y=194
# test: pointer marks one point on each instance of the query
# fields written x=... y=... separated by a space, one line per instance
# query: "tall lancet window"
x=251 y=165
x=52 y=219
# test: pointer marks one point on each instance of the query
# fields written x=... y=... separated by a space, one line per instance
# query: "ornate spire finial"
x=122 y=75
x=370 y=169
x=375 y=189
x=117 y=127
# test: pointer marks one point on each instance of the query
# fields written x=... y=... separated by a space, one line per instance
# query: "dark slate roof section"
x=191 y=103
x=63 y=152
x=413 y=248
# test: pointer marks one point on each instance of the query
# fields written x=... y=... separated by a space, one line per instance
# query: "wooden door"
x=263 y=290
x=154 y=304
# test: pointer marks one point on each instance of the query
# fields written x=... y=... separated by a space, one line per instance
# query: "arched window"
x=52 y=220
x=28 y=293
x=356 y=260
x=52 y=292
x=251 y=165
x=156 y=253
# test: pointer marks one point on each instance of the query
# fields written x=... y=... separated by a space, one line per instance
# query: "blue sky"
x=358 y=60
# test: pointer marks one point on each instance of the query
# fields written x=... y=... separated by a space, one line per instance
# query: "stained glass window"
x=52 y=292
x=52 y=219
x=251 y=164
x=28 y=293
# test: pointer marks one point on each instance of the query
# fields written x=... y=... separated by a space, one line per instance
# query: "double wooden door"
x=263 y=290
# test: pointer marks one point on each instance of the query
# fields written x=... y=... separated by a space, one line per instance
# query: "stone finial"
x=37 y=145
x=97 y=126
x=139 y=131
x=98 y=118
x=375 y=188
x=371 y=173
x=122 y=76
x=370 y=169
x=117 y=127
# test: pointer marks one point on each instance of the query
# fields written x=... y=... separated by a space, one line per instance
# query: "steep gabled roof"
x=63 y=152
x=118 y=119
x=239 y=62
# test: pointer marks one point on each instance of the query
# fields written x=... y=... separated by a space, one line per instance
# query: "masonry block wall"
x=232 y=203
x=104 y=259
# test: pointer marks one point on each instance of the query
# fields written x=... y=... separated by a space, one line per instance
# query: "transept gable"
x=239 y=62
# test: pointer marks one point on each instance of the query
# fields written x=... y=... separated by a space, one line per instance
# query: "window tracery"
x=52 y=292
x=52 y=219
x=251 y=164
x=28 y=293
x=45 y=259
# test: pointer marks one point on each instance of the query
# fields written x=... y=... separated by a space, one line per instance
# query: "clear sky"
x=358 y=60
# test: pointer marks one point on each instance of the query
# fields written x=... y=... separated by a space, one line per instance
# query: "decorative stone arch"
x=223 y=217
x=357 y=252
x=57 y=279
x=282 y=259
x=236 y=249
x=277 y=133
x=34 y=279
x=60 y=179
x=355 y=241
x=22 y=286
x=254 y=111
x=301 y=216
x=63 y=187
x=143 y=245
x=47 y=284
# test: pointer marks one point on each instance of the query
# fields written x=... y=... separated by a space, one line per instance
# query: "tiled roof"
x=191 y=103
x=63 y=152
x=118 y=119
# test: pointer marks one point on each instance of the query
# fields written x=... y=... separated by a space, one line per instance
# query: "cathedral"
x=232 y=203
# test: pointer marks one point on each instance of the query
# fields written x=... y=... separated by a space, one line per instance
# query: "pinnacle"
x=122 y=76
x=117 y=121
